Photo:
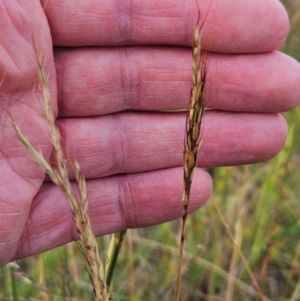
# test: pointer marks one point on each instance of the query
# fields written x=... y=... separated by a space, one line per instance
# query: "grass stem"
x=113 y=253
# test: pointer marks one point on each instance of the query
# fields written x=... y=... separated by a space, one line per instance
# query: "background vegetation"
x=258 y=205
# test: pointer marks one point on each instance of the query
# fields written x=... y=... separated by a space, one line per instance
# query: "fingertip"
x=248 y=26
x=241 y=138
x=279 y=21
x=156 y=197
x=290 y=77
x=282 y=132
x=202 y=188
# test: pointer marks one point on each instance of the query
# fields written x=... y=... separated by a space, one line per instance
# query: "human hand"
x=107 y=101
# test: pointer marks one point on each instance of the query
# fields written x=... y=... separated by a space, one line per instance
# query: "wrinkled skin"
x=107 y=102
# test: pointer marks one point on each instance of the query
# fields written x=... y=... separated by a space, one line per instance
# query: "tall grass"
x=260 y=206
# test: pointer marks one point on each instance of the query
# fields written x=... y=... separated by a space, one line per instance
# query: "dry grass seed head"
x=192 y=138
x=59 y=176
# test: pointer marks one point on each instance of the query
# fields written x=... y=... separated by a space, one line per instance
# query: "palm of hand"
x=20 y=177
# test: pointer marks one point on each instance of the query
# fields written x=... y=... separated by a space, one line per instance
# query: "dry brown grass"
x=192 y=138
x=59 y=175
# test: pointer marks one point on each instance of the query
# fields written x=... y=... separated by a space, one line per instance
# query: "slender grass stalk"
x=5 y=286
x=42 y=281
x=192 y=139
x=11 y=283
x=296 y=291
x=113 y=253
x=132 y=289
x=66 y=274
x=254 y=281
x=73 y=264
x=238 y=232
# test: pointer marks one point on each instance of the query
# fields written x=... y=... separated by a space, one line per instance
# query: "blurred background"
x=256 y=206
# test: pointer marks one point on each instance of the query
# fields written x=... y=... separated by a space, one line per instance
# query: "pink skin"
x=92 y=88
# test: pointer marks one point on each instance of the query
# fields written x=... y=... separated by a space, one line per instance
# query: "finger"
x=132 y=142
x=102 y=81
x=116 y=203
x=230 y=26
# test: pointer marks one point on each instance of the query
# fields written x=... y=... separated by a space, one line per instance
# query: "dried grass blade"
x=192 y=138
